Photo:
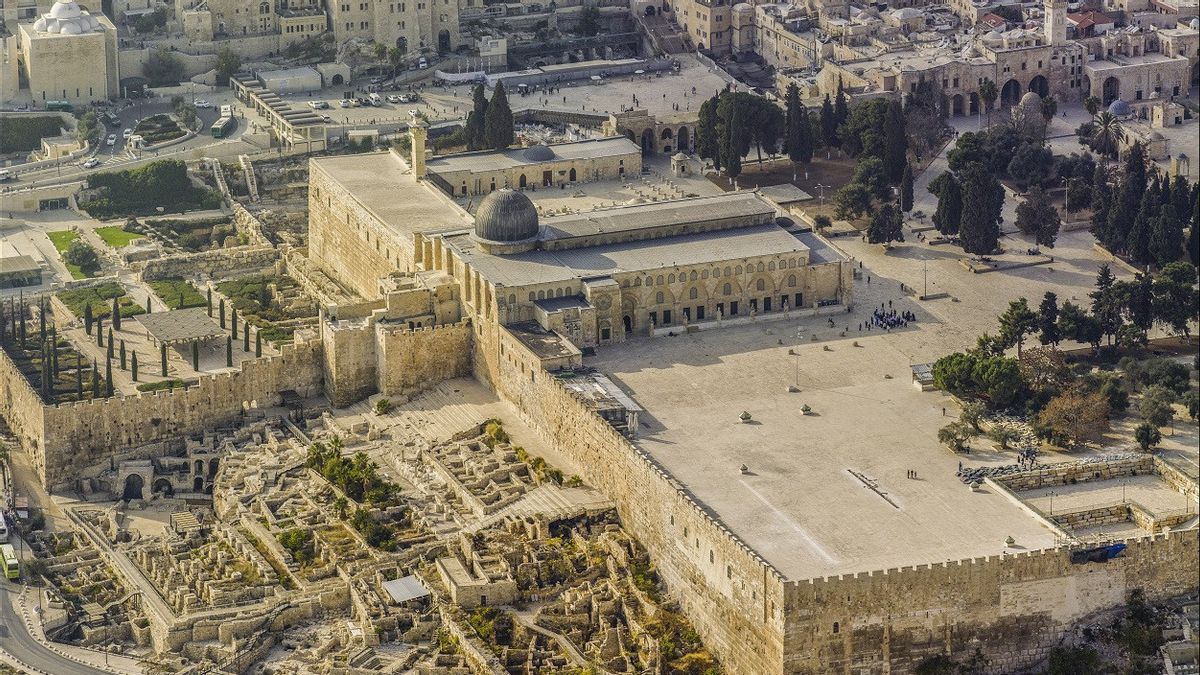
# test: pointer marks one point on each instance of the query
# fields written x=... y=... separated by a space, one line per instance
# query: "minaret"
x=418 y=131
x=1055 y=21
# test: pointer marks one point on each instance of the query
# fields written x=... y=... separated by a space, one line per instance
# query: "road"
x=18 y=642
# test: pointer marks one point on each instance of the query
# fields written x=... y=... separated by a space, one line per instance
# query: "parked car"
x=5 y=175
x=127 y=133
x=422 y=63
x=326 y=119
x=409 y=98
x=111 y=141
x=395 y=99
x=91 y=163
x=202 y=104
x=318 y=105
x=346 y=103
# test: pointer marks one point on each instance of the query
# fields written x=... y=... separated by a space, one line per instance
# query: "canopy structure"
x=180 y=326
x=405 y=589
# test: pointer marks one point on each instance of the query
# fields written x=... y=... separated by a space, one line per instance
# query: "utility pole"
x=926 y=293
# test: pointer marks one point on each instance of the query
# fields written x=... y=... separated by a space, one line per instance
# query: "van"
x=3 y=530
x=5 y=175
x=376 y=100
x=422 y=63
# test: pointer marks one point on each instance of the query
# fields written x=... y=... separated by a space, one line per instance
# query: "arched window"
x=738 y=270
x=771 y=266
x=792 y=280
x=693 y=294
x=728 y=289
x=671 y=279
x=660 y=280
x=761 y=285
x=693 y=275
x=532 y=297
x=659 y=297
x=761 y=268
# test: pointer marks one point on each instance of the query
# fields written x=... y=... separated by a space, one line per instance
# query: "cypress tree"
x=53 y=351
x=110 y=344
x=221 y=313
x=1048 y=320
x=116 y=314
x=149 y=304
x=475 y=126
x=133 y=366
x=87 y=318
x=1128 y=199
x=99 y=332
x=162 y=349
x=21 y=324
x=828 y=123
x=1166 y=237
x=1137 y=240
x=707 y=142
x=79 y=377
x=498 y=121
x=228 y=352
x=257 y=343
x=122 y=355
x=799 y=130
x=210 y=302
x=196 y=356
x=233 y=322
x=841 y=108
x=108 y=383
x=895 y=148
x=948 y=216
x=246 y=338
x=95 y=381
x=42 y=319
x=982 y=200
x=906 y=189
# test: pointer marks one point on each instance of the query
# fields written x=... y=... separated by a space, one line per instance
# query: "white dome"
x=71 y=28
x=65 y=9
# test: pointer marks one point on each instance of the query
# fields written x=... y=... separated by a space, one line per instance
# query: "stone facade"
x=78 y=67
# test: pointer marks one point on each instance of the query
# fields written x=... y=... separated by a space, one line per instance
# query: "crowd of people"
x=886 y=318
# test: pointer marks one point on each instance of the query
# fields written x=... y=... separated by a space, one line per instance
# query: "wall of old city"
x=1014 y=608
x=733 y=597
x=82 y=433
x=21 y=407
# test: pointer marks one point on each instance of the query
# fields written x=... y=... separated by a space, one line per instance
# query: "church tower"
x=1056 y=22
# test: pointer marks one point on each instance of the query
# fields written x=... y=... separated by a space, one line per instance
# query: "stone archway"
x=198 y=484
x=628 y=321
x=681 y=140
x=571 y=175
x=1040 y=86
x=1110 y=90
x=973 y=103
x=956 y=105
x=1010 y=94
x=522 y=182
x=133 y=487
x=337 y=80
x=648 y=141
x=163 y=486
x=443 y=41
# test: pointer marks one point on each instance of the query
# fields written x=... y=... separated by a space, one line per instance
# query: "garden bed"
x=100 y=298
x=116 y=236
x=271 y=303
x=159 y=129
x=62 y=241
x=178 y=294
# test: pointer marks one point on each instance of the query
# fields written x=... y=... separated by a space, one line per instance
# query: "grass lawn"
x=100 y=298
x=178 y=294
x=62 y=241
x=116 y=236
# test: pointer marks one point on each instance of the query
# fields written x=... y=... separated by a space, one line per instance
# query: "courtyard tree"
x=707 y=139
x=829 y=124
x=228 y=351
x=988 y=94
x=1166 y=236
x=133 y=366
x=1092 y=105
x=1017 y=322
x=1072 y=416
x=257 y=343
x=475 y=126
x=1038 y=217
x=972 y=414
x=87 y=318
x=895 y=149
x=123 y=359
x=1044 y=369
x=82 y=256
x=163 y=68
x=1049 y=109
x=1047 y=320
x=1147 y=436
x=228 y=64
x=1175 y=297
x=1074 y=323
x=906 y=188
x=852 y=200
x=162 y=355
x=799 y=128
x=1107 y=135
x=1031 y=165
x=1079 y=194
x=196 y=356
x=1156 y=406
x=498 y=120
x=116 y=314
x=982 y=201
x=948 y=215
x=885 y=226
x=954 y=436
x=841 y=107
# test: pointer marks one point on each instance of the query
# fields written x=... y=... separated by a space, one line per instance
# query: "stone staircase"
x=548 y=501
x=251 y=181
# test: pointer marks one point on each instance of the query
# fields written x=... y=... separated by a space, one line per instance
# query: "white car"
x=346 y=103
x=91 y=163
x=318 y=105
x=395 y=99
x=127 y=134
x=326 y=119
x=111 y=141
x=409 y=98
x=422 y=63
x=201 y=103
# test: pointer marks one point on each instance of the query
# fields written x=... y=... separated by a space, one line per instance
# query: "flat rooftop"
x=491 y=160
x=807 y=504
x=538 y=267
x=658 y=215
x=383 y=184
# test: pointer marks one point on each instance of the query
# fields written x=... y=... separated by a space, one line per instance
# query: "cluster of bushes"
x=192 y=235
x=100 y=299
x=178 y=294
x=164 y=183
x=22 y=133
x=159 y=128
x=376 y=533
x=299 y=543
x=493 y=626
x=358 y=477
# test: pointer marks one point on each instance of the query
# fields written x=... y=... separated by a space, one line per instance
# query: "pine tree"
x=829 y=124
x=474 y=129
x=885 y=226
x=1166 y=238
x=229 y=352
x=162 y=355
x=895 y=148
x=498 y=121
x=1048 y=320
x=1140 y=302
x=116 y=314
x=906 y=189
x=982 y=201
x=1128 y=199
x=133 y=367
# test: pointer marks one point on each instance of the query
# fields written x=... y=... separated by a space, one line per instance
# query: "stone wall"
x=1179 y=481
x=248 y=226
x=1013 y=607
x=215 y=264
x=733 y=597
x=78 y=434
x=20 y=405
x=1077 y=472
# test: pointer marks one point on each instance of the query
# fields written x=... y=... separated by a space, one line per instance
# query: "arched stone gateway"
x=133 y=487
x=198 y=484
x=1111 y=90
x=956 y=105
x=1040 y=86
x=648 y=141
x=681 y=140
x=1010 y=94
x=163 y=486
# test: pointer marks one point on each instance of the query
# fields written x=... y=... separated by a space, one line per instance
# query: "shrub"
x=84 y=257
x=22 y=134
x=383 y=406
x=163 y=183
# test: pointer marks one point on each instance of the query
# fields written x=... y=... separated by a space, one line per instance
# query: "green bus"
x=222 y=127
x=61 y=106
x=8 y=558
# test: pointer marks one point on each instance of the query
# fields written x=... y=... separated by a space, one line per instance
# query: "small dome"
x=1120 y=108
x=679 y=156
x=539 y=153
x=1031 y=101
x=506 y=216
x=65 y=9
x=71 y=28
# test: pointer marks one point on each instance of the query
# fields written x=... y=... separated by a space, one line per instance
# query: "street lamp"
x=822 y=189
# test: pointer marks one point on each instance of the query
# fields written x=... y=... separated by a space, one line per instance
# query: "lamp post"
x=822 y=187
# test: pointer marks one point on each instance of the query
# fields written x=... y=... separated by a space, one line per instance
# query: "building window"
x=700 y=313
x=666 y=317
x=733 y=308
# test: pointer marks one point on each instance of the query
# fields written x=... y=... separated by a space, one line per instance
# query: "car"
x=91 y=163
x=201 y=103
x=346 y=103
x=422 y=63
x=5 y=175
x=326 y=119
x=409 y=98
x=376 y=80
x=127 y=134
x=318 y=105
x=111 y=141
x=395 y=99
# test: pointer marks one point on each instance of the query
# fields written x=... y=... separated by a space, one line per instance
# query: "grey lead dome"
x=506 y=216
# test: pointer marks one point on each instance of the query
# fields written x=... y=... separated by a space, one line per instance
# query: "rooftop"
x=18 y=264
x=656 y=215
x=490 y=160
x=180 y=325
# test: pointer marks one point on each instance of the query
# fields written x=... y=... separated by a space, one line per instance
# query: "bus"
x=222 y=127
x=8 y=558
x=226 y=111
x=62 y=106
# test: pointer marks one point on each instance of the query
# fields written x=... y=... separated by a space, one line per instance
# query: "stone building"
x=69 y=54
x=411 y=26
x=479 y=173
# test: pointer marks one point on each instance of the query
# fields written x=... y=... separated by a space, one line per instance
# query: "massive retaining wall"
x=215 y=264
x=733 y=597
x=1012 y=607
x=78 y=434
x=20 y=405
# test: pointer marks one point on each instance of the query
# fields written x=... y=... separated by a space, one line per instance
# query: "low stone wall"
x=1092 y=517
x=215 y=264
x=1077 y=472
x=248 y=226
x=1179 y=481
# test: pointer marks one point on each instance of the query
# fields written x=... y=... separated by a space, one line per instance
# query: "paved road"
x=16 y=640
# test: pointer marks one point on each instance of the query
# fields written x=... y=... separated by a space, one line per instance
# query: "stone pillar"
x=418 y=131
